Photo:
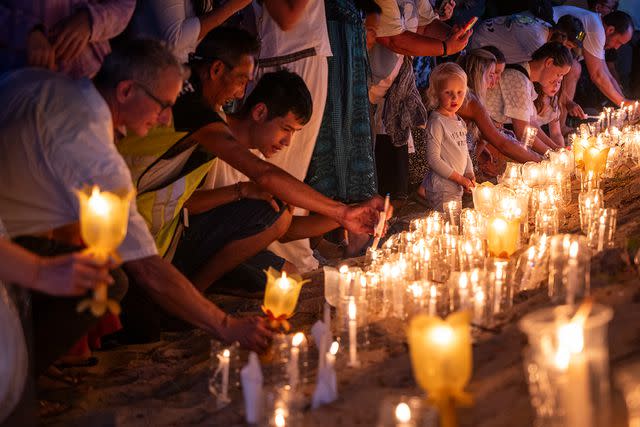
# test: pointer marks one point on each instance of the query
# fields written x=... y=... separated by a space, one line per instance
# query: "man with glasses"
x=58 y=135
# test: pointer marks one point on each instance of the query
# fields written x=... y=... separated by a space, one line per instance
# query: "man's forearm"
x=205 y=200
x=304 y=227
x=436 y=29
x=601 y=77
x=173 y=292
x=412 y=44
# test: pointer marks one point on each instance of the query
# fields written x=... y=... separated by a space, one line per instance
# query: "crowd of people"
x=260 y=134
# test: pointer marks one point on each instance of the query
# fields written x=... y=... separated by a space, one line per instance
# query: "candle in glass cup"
x=595 y=159
x=483 y=197
x=503 y=236
x=294 y=360
x=353 y=334
x=452 y=210
x=529 y=136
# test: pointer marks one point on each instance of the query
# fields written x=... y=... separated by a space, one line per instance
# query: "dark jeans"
x=54 y=325
x=392 y=166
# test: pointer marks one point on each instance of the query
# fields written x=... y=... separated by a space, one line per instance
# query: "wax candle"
x=572 y=273
x=433 y=300
x=503 y=236
x=224 y=362
x=601 y=224
x=403 y=415
x=478 y=306
x=294 y=361
x=499 y=282
x=331 y=355
x=353 y=334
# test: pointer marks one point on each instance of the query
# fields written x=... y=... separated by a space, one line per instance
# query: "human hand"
x=458 y=40
x=72 y=35
x=446 y=11
x=251 y=332
x=574 y=109
x=40 y=53
x=361 y=218
x=467 y=184
x=251 y=190
x=70 y=275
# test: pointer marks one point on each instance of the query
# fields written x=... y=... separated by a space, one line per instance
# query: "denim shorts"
x=210 y=231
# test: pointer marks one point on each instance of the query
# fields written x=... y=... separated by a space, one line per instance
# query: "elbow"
x=266 y=179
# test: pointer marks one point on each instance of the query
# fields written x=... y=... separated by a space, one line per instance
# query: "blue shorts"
x=210 y=231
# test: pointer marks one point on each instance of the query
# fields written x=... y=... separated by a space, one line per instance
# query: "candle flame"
x=297 y=339
x=98 y=203
x=499 y=224
x=279 y=418
x=334 y=348
x=344 y=269
x=283 y=282
x=434 y=292
x=352 y=309
x=573 y=250
x=403 y=413
x=442 y=334
x=226 y=353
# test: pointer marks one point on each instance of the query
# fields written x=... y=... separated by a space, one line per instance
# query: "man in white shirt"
x=602 y=32
x=511 y=101
x=58 y=135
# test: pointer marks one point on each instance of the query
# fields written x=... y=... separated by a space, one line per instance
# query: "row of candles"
x=468 y=264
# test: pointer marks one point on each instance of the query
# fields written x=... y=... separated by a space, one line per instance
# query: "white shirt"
x=595 y=37
x=309 y=32
x=222 y=174
x=517 y=36
x=173 y=21
x=397 y=17
x=57 y=136
x=513 y=97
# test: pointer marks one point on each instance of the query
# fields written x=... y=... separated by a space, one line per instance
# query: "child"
x=450 y=167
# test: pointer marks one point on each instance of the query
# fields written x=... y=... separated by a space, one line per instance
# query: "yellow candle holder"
x=103 y=226
x=595 y=159
x=441 y=358
x=503 y=235
x=280 y=297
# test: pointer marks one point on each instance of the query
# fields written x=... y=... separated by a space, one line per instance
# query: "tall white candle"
x=601 y=224
x=294 y=360
x=500 y=267
x=331 y=355
x=572 y=273
x=224 y=361
x=463 y=286
x=433 y=300
x=353 y=334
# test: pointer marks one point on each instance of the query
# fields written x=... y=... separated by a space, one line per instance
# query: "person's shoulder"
x=39 y=82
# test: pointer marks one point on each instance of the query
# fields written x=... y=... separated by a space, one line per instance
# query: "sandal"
x=47 y=408
x=82 y=363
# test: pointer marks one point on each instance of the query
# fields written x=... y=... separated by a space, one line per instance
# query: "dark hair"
x=201 y=7
x=225 y=44
x=500 y=58
x=571 y=26
x=282 y=92
x=560 y=54
x=368 y=6
x=619 y=20
x=592 y=3
x=141 y=60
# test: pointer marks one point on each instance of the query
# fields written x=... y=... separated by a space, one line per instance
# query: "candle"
x=331 y=355
x=280 y=297
x=483 y=197
x=224 y=366
x=463 y=284
x=478 y=306
x=572 y=273
x=280 y=417
x=433 y=301
x=103 y=226
x=503 y=236
x=403 y=415
x=601 y=221
x=500 y=279
x=353 y=335
x=294 y=360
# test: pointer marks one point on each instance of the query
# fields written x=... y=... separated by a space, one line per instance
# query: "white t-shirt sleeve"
x=178 y=30
x=516 y=95
x=595 y=37
x=390 y=19
x=426 y=14
x=81 y=152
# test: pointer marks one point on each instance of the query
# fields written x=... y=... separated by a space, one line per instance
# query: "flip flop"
x=86 y=363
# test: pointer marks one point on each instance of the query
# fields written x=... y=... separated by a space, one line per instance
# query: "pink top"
x=18 y=17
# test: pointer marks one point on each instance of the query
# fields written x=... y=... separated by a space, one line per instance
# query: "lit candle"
x=280 y=417
x=601 y=221
x=224 y=363
x=294 y=361
x=478 y=306
x=433 y=301
x=463 y=287
x=280 y=297
x=500 y=278
x=403 y=415
x=353 y=335
x=331 y=355
x=572 y=273
x=503 y=235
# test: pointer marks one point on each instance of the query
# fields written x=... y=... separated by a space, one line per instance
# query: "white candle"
x=601 y=222
x=463 y=284
x=224 y=361
x=353 y=334
x=294 y=361
x=478 y=307
x=572 y=273
x=499 y=283
x=331 y=355
x=433 y=300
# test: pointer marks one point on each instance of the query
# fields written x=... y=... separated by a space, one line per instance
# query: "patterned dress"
x=342 y=166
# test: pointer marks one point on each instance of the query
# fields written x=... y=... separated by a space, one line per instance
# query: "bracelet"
x=239 y=191
x=444 y=48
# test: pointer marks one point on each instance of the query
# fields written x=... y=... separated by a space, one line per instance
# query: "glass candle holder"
x=602 y=230
x=512 y=175
x=547 y=222
x=595 y=159
x=503 y=235
x=533 y=173
x=589 y=204
x=452 y=210
x=567 y=366
x=225 y=372
x=589 y=181
x=529 y=136
x=499 y=286
x=532 y=266
x=569 y=268
x=483 y=197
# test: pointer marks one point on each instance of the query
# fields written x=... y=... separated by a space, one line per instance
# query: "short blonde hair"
x=440 y=74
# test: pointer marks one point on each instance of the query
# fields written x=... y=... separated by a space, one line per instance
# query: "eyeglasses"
x=164 y=105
